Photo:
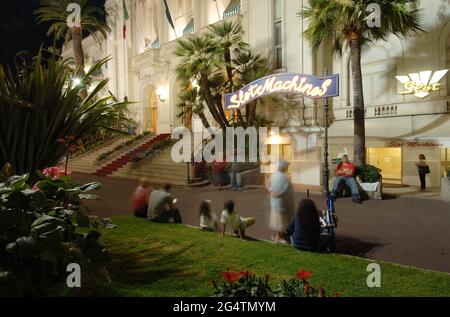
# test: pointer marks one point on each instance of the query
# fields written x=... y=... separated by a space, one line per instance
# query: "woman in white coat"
x=281 y=202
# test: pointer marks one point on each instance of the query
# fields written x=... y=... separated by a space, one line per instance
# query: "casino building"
x=399 y=125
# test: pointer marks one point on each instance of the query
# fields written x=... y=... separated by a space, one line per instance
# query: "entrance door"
x=389 y=160
x=154 y=112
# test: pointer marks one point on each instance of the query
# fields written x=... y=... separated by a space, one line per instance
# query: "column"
x=111 y=10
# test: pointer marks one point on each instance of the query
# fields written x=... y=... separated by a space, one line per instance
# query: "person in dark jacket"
x=305 y=228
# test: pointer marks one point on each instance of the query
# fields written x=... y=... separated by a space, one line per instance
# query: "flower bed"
x=248 y=284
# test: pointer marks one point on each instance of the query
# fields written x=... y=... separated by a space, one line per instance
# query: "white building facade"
x=399 y=126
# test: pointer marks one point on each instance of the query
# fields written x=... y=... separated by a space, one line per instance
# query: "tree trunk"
x=218 y=101
x=229 y=69
x=209 y=99
x=204 y=120
x=77 y=42
x=251 y=112
x=358 y=104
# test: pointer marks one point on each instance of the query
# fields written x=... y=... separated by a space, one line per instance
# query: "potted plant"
x=370 y=180
x=219 y=173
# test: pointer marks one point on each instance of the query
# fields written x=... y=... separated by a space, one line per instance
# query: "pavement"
x=407 y=230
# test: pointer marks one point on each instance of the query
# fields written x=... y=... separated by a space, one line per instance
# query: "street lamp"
x=76 y=82
x=326 y=167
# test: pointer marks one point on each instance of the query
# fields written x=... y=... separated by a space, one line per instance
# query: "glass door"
x=389 y=160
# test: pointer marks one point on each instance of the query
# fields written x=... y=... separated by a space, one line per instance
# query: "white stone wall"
x=134 y=70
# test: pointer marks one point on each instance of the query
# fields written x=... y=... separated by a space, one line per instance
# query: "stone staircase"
x=87 y=162
x=127 y=157
x=158 y=170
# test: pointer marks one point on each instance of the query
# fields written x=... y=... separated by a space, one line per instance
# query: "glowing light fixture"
x=76 y=81
x=163 y=93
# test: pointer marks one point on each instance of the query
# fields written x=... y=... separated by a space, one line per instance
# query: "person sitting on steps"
x=346 y=174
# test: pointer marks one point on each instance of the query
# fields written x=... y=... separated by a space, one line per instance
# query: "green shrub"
x=39 y=105
x=39 y=236
x=369 y=174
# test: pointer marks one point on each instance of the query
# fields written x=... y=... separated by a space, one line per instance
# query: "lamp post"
x=326 y=169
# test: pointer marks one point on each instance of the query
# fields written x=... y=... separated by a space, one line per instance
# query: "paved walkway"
x=404 y=230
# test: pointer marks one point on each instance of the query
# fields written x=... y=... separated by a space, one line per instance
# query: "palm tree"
x=198 y=61
x=190 y=102
x=344 y=24
x=228 y=37
x=248 y=68
x=55 y=12
x=39 y=105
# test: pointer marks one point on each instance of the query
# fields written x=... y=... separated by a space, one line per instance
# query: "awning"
x=234 y=8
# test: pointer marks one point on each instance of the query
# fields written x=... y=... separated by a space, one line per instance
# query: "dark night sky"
x=19 y=28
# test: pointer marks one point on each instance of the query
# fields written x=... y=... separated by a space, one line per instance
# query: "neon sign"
x=306 y=85
x=422 y=84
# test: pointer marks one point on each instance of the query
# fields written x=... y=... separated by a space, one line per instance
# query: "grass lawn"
x=171 y=260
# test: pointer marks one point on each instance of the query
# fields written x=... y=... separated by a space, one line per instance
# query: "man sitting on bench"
x=346 y=174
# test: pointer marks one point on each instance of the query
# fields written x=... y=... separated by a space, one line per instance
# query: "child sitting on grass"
x=233 y=221
x=208 y=220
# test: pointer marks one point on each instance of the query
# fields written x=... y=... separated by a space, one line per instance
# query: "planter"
x=220 y=179
x=373 y=190
x=198 y=170
x=367 y=190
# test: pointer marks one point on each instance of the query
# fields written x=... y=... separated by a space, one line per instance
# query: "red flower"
x=219 y=167
x=55 y=172
x=337 y=294
x=231 y=277
x=303 y=275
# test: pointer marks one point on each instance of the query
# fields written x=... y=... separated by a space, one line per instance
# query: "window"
x=278 y=35
x=234 y=8
x=189 y=28
x=155 y=43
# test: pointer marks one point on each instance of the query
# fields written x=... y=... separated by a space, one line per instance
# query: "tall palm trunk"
x=204 y=120
x=251 y=112
x=229 y=70
x=77 y=42
x=358 y=103
x=206 y=91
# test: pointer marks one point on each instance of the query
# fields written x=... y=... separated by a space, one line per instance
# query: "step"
x=126 y=157
x=155 y=171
